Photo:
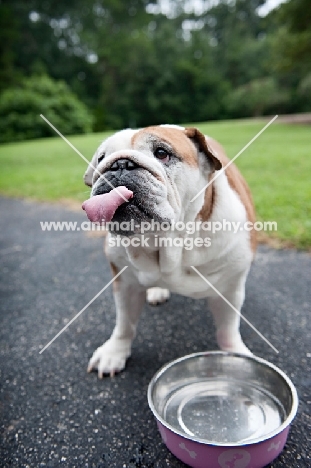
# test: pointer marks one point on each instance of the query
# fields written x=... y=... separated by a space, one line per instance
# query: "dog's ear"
x=200 y=141
x=88 y=175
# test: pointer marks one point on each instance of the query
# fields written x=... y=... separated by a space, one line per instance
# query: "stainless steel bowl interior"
x=223 y=398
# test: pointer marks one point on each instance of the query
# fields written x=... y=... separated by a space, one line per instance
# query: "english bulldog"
x=152 y=177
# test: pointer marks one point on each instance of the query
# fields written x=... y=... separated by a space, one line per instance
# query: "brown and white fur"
x=163 y=190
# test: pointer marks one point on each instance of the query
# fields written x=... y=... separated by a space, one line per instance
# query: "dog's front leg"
x=129 y=300
x=227 y=320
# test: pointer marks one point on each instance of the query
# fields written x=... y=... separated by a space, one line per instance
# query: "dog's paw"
x=157 y=295
x=232 y=342
x=241 y=349
x=111 y=357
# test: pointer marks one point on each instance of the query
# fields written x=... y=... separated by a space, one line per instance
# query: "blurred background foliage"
x=108 y=64
x=21 y=106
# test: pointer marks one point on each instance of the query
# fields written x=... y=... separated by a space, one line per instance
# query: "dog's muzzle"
x=148 y=192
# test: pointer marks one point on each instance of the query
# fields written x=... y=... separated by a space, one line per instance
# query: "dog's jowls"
x=165 y=167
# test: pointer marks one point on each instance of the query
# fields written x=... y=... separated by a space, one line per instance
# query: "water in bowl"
x=223 y=411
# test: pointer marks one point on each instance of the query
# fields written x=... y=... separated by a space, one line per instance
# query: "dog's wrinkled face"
x=164 y=167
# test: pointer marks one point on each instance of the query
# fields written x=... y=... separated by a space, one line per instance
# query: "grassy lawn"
x=277 y=167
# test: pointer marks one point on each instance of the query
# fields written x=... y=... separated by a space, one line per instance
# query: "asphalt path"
x=54 y=414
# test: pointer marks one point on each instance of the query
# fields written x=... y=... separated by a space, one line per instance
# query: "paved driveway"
x=54 y=414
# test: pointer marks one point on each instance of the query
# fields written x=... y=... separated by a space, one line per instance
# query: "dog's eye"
x=100 y=158
x=161 y=153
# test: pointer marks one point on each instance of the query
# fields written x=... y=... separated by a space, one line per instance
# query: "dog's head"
x=164 y=166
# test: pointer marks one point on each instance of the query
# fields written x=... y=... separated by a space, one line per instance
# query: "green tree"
x=293 y=40
x=290 y=45
x=237 y=34
x=133 y=65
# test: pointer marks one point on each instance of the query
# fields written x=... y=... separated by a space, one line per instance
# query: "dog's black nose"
x=122 y=164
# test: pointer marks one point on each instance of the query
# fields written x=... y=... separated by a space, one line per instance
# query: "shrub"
x=20 y=110
x=259 y=97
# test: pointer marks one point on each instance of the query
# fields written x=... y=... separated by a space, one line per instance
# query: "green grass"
x=46 y=169
x=277 y=167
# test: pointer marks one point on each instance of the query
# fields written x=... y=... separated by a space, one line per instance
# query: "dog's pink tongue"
x=101 y=208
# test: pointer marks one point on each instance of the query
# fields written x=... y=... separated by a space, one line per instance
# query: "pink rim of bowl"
x=200 y=453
